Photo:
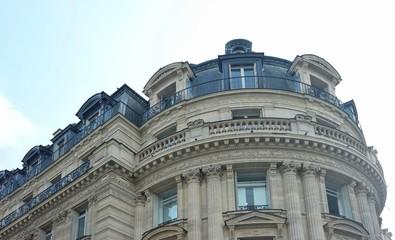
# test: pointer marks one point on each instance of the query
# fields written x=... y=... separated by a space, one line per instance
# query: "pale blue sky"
x=54 y=55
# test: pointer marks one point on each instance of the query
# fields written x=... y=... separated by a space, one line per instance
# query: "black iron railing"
x=261 y=82
x=253 y=207
x=45 y=194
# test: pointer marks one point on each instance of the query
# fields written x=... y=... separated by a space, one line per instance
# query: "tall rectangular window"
x=242 y=77
x=338 y=201
x=167 y=206
x=81 y=223
x=48 y=234
x=251 y=191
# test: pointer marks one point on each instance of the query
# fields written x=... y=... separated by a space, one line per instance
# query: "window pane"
x=169 y=211
x=81 y=226
x=260 y=196
x=241 y=196
x=236 y=80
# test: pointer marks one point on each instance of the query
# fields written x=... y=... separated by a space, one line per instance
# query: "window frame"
x=254 y=184
x=243 y=78
x=340 y=194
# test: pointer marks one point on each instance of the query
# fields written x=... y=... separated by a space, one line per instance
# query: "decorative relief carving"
x=302 y=117
x=60 y=217
x=196 y=123
x=140 y=199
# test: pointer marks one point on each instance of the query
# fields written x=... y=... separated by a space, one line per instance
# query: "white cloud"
x=14 y=125
x=17 y=134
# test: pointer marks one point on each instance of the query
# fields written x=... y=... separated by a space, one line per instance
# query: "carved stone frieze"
x=196 y=123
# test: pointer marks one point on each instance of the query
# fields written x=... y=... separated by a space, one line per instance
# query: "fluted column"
x=194 y=215
x=139 y=217
x=312 y=202
x=364 y=209
x=324 y=199
x=214 y=202
x=373 y=213
x=291 y=197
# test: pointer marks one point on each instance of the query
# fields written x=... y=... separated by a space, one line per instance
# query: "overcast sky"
x=54 y=55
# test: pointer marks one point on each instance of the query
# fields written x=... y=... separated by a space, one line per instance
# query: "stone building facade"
x=242 y=147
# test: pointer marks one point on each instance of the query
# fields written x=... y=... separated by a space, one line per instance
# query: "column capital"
x=60 y=217
x=371 y=197
x=193 y=175
x=309 y=170
x=212 y=171
x=140 y=199
x=361 y=188
x=289 y=167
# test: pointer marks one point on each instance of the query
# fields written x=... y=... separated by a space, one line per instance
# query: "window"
x=27 y=198
x=56 y=179
x=61 y=145
x=167 y=132
x=81 y=223
x=167 y=206
x=246 y=113
x=318 y=83
x=338 y=202
x=242 y=76
x=48 y=234
x=251 y=190
x=45 y=232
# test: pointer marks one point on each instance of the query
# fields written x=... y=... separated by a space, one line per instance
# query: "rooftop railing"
x=50 y=191
x=254 y=82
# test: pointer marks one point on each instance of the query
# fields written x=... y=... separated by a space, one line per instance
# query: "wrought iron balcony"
x=261 y=82
x=253 y=207
x=44 y=195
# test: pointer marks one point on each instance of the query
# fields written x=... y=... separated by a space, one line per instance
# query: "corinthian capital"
x=140 y=199
x=289 y=167
x=361 y=188
x=213 y=171
x=193 y=175
x=309 y=169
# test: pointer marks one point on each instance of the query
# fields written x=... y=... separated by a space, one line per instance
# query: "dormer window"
x=167 y=92
x=318 y=83
x=242 y=76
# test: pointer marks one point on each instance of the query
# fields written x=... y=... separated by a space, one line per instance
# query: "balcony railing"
x=253 y=207
x=261 y=82
x=50 y=191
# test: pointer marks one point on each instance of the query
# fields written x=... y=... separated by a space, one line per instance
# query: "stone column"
x=194 y=214
x=139 y=216
x=91 y=226
x=292 y=204
x=312 y=202
x=231 y=188
x=180 y=198
x=214 y=202
x=364 y=209
x=373 y=213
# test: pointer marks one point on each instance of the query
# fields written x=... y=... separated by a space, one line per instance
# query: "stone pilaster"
x=91 y=226
x=312 y=202
x=149 y=210
x=373 y=213
x=230 y=188
x=194 y=214
x=364 y=209
x=324 y=199
x=292 y=204
x=139 y=216
x=180 y=198
x=275 y=188
x=214 y=202
x=354 y=202
x=62 y=224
